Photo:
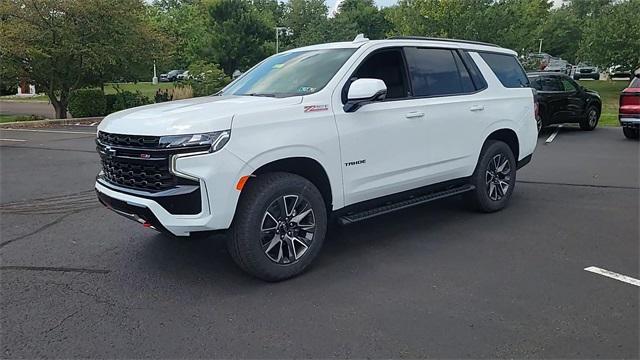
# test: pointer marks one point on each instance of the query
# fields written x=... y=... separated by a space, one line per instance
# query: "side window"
x=478 y=80
x=568 y=86
x=388 y=66
x=536 y=83
x=551 y=84
x=436 y=72
x=507 y=69
x=465 y=78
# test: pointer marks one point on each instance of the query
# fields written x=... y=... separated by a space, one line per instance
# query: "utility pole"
x=540 y=48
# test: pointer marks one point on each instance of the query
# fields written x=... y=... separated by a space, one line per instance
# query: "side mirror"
x=364 y=91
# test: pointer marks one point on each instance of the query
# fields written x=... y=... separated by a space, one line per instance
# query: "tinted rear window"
x=436 y=72
x=507 y=69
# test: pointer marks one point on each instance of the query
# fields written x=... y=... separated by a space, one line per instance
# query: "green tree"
x=462 y=19
x=517 y=24
x=240 y=35
x=587 y=8
x=66 y=45
x=207 y=78
x=359 y=17
x=307 y=20
x=612 y=38
x=184 y=23
x=561 y=33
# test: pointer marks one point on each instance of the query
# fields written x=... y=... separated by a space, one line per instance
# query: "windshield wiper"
x=262 y=94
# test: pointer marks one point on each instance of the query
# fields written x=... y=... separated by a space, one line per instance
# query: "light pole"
x=278 y=29
x=540 y=48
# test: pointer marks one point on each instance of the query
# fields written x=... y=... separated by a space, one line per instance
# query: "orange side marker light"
x=241 y=182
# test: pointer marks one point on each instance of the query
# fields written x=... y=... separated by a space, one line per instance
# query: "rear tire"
x=279 y=226
x=630 y=133
x=591 y=119
x=494 y=177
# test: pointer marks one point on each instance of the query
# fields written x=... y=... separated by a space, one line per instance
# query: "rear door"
x=555 y=99
x=454 y=109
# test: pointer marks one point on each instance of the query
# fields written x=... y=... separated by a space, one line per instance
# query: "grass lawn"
x=610 y=94
x=12 y=118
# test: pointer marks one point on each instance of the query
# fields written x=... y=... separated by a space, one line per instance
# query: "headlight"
x=214 y=140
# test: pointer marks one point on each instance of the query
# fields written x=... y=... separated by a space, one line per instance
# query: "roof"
x=411 y=41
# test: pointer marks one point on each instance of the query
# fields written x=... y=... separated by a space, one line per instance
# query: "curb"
x=45 y=123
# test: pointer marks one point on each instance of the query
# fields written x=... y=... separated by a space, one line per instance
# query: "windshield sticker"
x=314 y=108
x=306 y=89
x=277 y=66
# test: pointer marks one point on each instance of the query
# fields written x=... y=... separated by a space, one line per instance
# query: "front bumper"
x=173 y=211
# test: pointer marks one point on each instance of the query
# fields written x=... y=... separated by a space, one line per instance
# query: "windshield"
x=291 y=73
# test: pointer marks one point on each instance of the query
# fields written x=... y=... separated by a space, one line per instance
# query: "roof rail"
x=360 y=38
x=441 y=39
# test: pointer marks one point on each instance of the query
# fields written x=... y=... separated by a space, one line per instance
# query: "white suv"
x=346 y=130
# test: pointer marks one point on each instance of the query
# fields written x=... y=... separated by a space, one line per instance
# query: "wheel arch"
x=507 y=136
x=306 y=167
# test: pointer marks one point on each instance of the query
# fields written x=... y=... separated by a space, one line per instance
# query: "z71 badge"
x=314 y=108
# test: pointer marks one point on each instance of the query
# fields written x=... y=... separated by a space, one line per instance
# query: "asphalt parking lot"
x=434 y=281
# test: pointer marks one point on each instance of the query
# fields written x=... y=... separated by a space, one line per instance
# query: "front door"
x=383 y=144
x=575 y=100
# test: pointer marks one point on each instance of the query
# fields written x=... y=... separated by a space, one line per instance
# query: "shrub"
x=126 y=99
x=87 y=102
x=110 y=100
x=182 y=92
x=207 y=78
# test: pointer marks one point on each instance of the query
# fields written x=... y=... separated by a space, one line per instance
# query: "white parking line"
x=17 y=140
x=553 y=136
x=613 y=275
x=52 y=131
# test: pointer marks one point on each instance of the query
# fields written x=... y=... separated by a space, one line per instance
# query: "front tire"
x=279 y=227
x=590 y=122
x=631 y=133
x=494 y=177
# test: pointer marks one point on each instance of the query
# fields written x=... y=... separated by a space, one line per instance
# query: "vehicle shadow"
x=205 y=259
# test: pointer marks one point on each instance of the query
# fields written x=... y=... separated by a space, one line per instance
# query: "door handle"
x=414 y=114
x=477 y=108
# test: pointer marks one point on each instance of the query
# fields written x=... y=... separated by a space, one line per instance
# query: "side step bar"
x=384 y=209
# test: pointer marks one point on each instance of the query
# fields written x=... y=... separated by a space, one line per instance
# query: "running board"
x=385 y=209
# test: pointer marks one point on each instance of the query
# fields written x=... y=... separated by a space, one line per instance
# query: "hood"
x=190 y=116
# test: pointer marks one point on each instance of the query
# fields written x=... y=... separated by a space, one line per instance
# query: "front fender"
x=300 y=151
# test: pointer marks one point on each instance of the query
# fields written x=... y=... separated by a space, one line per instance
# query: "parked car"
x=629 y=111
x=346 y=130
x=586 y=71
x=184 y=76
x=620 y=72
x=558 y=65
x=171 y=75
x=562 y=100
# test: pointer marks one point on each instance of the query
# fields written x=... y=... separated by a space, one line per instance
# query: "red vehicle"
x=629 y=113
